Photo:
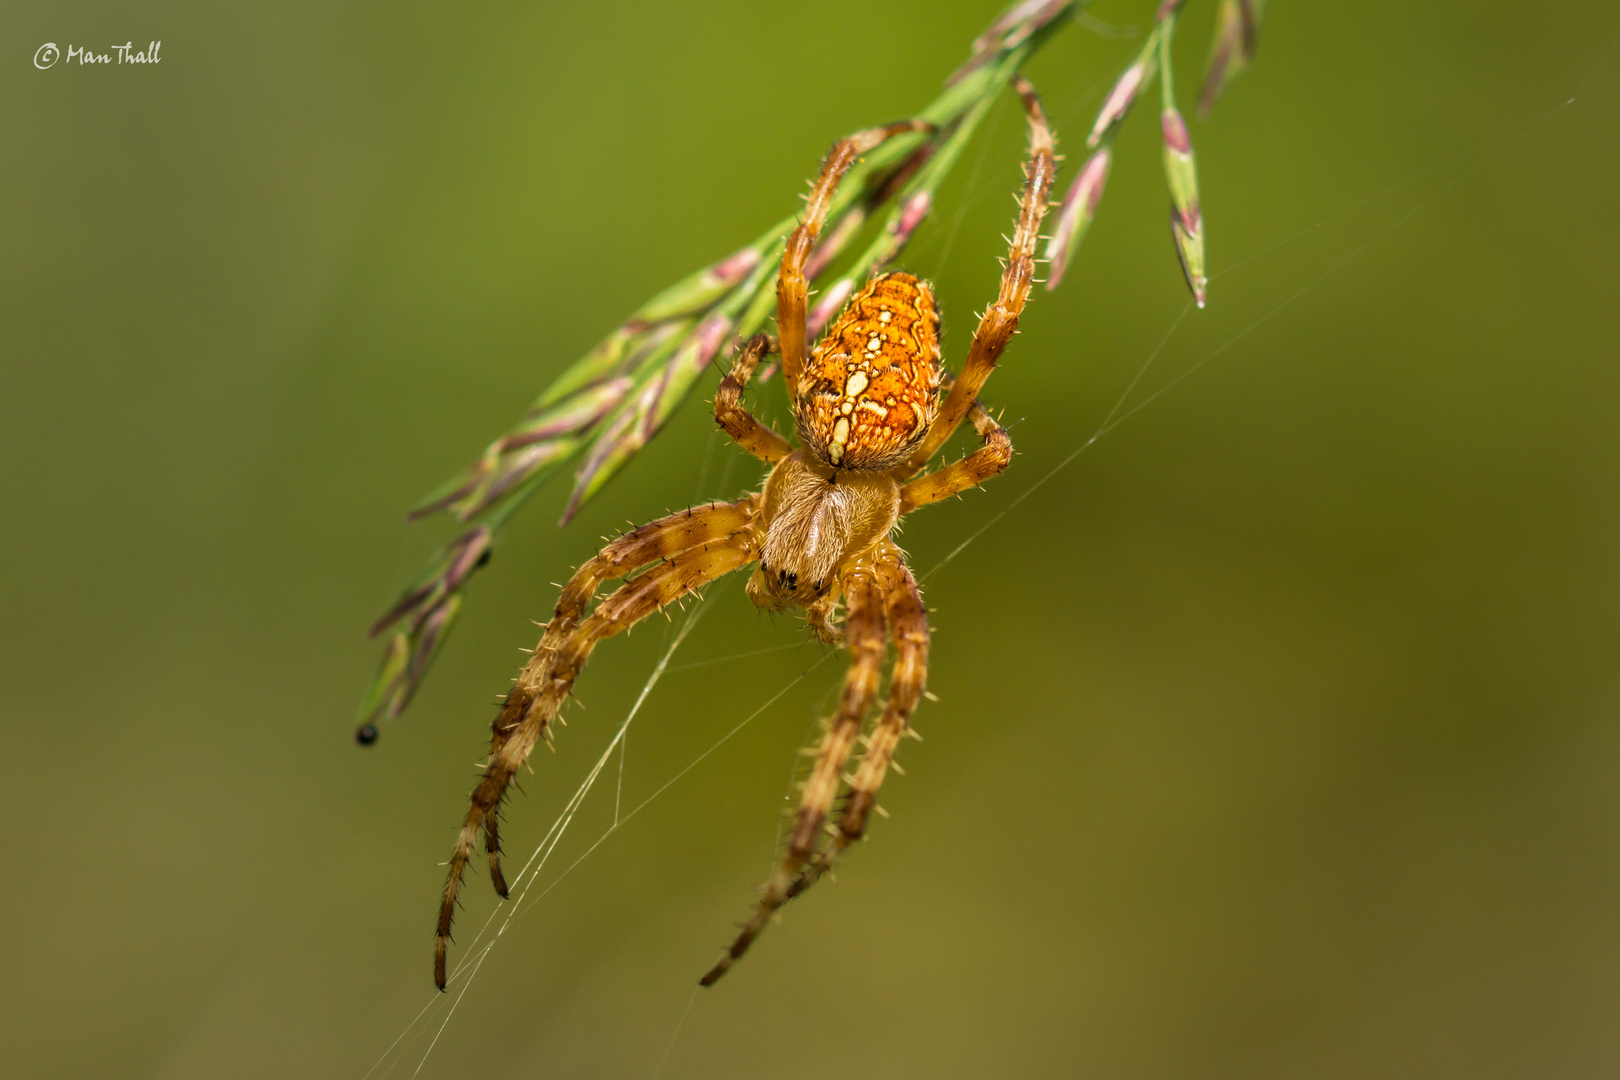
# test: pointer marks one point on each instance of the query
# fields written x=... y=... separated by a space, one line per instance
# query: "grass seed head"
x=1076 y=214
x=1186 y=217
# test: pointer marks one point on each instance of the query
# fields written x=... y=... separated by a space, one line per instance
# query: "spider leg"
x=971 y=471
x=1000 y=319
x=734 y=418
x=698 y=546
x=864 y=626
x=653 y=541
x=908 y=623
x=791 y=285
x=492 y=846
x=820 y=617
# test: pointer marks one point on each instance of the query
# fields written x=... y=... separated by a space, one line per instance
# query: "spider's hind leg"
x=696 y=546
x=864 y=627
x=908 y=623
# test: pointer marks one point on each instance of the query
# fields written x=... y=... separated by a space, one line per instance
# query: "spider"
x=868 y=408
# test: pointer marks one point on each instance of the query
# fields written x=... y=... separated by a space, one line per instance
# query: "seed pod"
x=1186 y=218
x=829 y=305
x=645 y=410
x=1074 y=217
x=1012 y=28
x=427 y=609
x=1237 y=32
x=1124 y=94
x=698 y=291
x=904 y=224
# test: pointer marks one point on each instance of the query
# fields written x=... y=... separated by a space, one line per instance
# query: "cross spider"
x=866 y=404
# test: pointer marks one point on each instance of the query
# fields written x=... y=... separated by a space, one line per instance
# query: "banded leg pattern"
x=1000 y=319
x=697 y=546
x=863 y=626
x=792 y=287
x=908 y=623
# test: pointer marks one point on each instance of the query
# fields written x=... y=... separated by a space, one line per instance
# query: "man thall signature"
x=126 y=53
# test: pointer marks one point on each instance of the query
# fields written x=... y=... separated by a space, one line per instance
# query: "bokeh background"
x=1277 y=732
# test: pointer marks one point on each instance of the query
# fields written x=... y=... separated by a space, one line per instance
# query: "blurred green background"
x=1277 y=732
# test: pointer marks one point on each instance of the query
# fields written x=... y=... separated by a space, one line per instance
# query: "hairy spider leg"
x=821 y=617
x=908 y=624
x=698 y=546
x=973 y=470
x=1000 y=319
x=791 y=286
x=864 y=627
x=656 y=540
x=733 y=416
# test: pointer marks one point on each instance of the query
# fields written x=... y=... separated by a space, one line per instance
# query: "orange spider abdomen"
x=871 y=385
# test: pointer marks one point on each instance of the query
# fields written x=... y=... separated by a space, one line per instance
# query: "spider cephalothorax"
x=863 y=403
x=869 y=416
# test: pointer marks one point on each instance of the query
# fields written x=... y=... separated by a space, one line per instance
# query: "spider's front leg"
x=734 y=418
x=792 y=288
x=696 y=546
x=1000 y=319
